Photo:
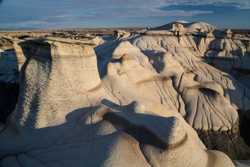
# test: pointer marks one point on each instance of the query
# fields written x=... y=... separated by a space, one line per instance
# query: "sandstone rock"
x=159 y=93
x=179 y=61
x=5 y=43
x=133 y=139
x=121 y=34
x=200 y=27
x=47 y=79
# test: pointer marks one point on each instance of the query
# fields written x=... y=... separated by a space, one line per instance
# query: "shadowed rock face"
x=8 y=79
x=8 y=99
x=157 y=91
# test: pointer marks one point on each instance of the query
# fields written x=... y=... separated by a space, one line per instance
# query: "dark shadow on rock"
x=8 y=99
x=141 y=133
x=125 y=119
x=104 y=55
x=138 y=126
x=9 y=86
x=156 y=59
x=58 y=140
x=8 y=66
x=231 y=144
x=245 y=126
x=147 y=129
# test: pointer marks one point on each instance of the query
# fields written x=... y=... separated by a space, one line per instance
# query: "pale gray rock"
x=200 y=85
x=160 y=92
x=60 y=117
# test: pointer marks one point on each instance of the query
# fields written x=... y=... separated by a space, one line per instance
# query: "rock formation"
x=120 y=34
x=148 y=99
x=183 y=62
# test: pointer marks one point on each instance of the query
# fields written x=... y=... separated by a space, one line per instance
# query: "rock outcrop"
x=207 y=92
x=121 y=34
x=140 y=100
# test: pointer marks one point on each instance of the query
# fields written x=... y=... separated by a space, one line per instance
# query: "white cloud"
x=243 y=4
x=145 y=8
x=152 y=7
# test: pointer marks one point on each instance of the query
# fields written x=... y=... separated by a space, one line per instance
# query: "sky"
x=43 y=14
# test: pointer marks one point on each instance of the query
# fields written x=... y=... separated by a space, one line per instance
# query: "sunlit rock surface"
x=143 y=99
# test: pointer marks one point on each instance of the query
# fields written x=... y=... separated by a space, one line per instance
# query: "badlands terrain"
x=177 y=95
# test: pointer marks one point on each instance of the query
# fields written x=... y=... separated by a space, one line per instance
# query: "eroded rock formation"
x=206 y=91
x=140 y=100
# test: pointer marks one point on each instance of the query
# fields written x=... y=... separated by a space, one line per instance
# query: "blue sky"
x=18 y=14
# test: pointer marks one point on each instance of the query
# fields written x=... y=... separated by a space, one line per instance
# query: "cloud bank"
x=148 y=8
x=71 y=12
